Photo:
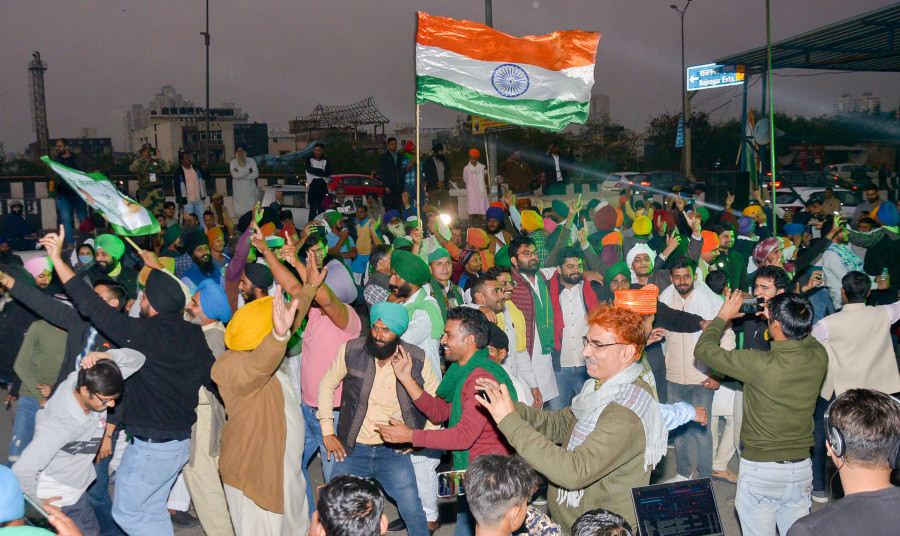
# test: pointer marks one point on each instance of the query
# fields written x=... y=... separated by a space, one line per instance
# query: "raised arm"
x=53 y=311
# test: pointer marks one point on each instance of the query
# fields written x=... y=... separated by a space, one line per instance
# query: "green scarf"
x=451 y=388
x=437 y=291
x=434 y=314
x=543 y=314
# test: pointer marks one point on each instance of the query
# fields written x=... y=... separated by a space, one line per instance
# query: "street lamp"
x=206 y=43
x=685 y=150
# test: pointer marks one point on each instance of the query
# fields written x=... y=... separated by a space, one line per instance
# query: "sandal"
x=727 y=475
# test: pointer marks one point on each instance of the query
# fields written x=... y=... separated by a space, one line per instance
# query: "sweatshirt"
x=39 y=358
x=59 y=461
x=781 y=387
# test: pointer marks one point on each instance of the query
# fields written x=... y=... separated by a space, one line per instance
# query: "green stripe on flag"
x=550 y=114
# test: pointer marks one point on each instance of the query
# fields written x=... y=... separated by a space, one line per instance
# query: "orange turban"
x=612 y=239
x=474 y=153
x=523 y=203
x=268 y=229
x=620 y=217
x=640 y=300
x=214 y=234
x=477 y=238
x=710 y=241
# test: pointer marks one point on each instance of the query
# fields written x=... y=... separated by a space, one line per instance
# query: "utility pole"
x=685 y=105
x=490 y=139
x=36 y=68
x=206 y=42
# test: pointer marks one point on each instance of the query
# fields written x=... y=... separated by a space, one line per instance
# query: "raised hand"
x=91 y=359
x=731 y=308
x=289 y=252
x=582 y=236
x=257 y=212
x=257 y=240
x=498 y=402
x=312 y=274
x=53 y=243
x=729 y=199
x=282 y=316
x=402 y=364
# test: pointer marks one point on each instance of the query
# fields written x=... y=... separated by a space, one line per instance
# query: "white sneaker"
x=677 y=478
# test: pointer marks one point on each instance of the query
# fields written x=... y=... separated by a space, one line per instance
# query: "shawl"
x=434 y=313
x=518 y=319
x=851 y=260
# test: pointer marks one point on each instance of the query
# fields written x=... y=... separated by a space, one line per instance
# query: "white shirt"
x=559 y=176
x=571 y=301
x=418 y=333
x=542 y=363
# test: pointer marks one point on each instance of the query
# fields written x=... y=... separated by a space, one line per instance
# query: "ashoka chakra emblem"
x=510 y=80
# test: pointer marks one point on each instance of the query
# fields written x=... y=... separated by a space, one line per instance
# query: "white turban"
x=639 y=248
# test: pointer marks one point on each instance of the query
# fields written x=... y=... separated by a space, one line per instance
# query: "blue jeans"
x=98 y=495
x=394 y=471
x=83 y=516
x=569 y=381
x=143 y=482
x=772 y=494
x=692 y=433
x=23 y=428
x=819 y=454
x=313 y=442
x=65 y=206
x=195 y=207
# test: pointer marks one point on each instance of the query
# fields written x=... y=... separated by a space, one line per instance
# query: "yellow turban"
x=250 y=325
x=532 y=221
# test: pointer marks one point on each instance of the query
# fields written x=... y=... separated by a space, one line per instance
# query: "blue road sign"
x=679 y=136
x=713 y=75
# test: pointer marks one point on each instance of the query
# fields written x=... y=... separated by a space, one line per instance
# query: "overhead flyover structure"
x=869 y=42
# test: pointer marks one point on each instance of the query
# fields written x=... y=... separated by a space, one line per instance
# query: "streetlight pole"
x=686 y=149
x=206 y=42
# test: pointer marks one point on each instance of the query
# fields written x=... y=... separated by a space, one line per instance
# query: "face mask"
x=85 y=259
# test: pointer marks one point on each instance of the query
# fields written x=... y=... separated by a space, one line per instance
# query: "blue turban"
x=12 y=503
x=213 y=301
x=394 y=316
x=793 y=229
x=495 y=213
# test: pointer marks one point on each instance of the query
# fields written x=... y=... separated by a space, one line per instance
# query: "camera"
x=752 y=305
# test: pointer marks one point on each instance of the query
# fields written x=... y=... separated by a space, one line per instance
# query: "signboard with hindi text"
x=712 y=75
x=481 y=125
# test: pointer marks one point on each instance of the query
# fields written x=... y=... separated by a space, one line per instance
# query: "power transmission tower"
x=36 y=70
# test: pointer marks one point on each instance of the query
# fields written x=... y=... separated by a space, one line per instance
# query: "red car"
x=356 y=185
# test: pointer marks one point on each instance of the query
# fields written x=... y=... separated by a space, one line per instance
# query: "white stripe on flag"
x=573 y=84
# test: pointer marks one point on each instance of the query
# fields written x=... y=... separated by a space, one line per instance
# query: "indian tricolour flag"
x=539 y=81
x=125 y=216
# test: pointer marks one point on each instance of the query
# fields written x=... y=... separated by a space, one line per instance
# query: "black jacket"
x=430 y=174
x=162 y=396
x=390 y=171
x=317 y=189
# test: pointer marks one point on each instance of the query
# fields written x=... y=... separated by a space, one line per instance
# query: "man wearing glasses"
x=58 y=465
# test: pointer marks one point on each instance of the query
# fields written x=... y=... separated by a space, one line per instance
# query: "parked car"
x=789 y=179
x=357 y=185
x=618 y=181
x=847 y=172
x=661 y=183
x=795 y=199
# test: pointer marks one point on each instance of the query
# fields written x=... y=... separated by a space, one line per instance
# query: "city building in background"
x=864 y=104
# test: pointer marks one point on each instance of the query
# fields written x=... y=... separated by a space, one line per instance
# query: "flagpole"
x=418 y=173
x=771 y=115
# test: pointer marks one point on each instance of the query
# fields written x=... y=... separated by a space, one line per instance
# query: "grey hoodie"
x=59 y=460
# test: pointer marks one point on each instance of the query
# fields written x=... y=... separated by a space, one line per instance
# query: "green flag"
x=125 y=216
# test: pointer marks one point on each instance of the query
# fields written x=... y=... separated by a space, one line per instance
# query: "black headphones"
x=836 y=436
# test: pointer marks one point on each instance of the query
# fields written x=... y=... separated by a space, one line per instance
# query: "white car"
x=619 y=180
x=795 y=199
x=845 y=171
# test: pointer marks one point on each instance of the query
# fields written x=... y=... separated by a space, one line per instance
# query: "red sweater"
x=475 y=431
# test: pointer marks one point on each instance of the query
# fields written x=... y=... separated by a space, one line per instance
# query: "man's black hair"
x=873 y=223
x=350 y=505
x=720 y=228
x=569 y=252
x=169 y=204
x=717 y=281
x=378 y=252
x=779 y=277
x=683 y=262
x=480 y=282
x=63 y=140
x=794 y=313
x=104 y=378
x=856 y=286
x=115 y=288
x=389 y=140
x=312 y=240
x=516 y=243
x=813 y=201
x=286 y=215
x=473 y=322
x=828 y=225
x=495 y=484
x=869 y=422
x=546 y=212
x=601 y=522
x=318 y=144
x=495 y=271
x=205 y=212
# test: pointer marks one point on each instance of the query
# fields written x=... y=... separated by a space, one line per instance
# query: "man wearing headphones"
x=863 y=437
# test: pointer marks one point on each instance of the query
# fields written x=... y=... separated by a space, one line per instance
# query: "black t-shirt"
x=872 y=512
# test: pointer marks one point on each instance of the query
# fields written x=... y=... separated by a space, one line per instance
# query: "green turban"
x=704 y=214
x=439 y=253
x=561 y=209
x=111 y=244
x=616 y=269
x=402 y=242
x=332 y=218
x=410 y=267
x=394 y=316
x=501 y=258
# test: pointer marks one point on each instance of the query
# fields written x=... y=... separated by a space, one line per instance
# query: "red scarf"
x=590 y=303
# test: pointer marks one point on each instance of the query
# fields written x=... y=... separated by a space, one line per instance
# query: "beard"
x=684 y=289
x=492 y=227
x=191 y=318
x=403 y=291
x=107 y=267
x=242 y=161
x=381 y=351
x=529 y=268
x=572 y=279
x=248 y=296
x=205 y=264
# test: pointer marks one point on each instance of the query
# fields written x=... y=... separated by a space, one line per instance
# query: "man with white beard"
x=243 y=176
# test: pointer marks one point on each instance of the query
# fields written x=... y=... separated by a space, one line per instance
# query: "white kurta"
x=244 y=185
x=477 y=200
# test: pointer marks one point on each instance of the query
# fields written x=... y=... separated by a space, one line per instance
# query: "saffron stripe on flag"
x=553 y=51
x=549 y=114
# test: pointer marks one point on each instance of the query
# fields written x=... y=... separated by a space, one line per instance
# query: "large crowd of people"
x=545 y=351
